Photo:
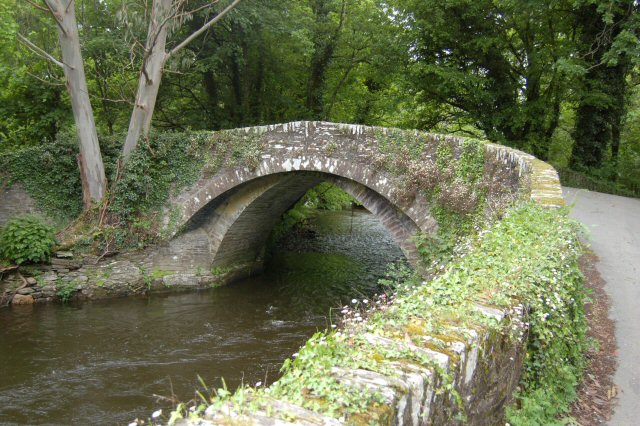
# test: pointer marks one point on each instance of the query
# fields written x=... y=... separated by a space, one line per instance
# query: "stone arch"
x=228 y=215
x=238 y=223
x=308 y=147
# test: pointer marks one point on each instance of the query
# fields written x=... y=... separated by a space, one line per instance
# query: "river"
x=108 y=362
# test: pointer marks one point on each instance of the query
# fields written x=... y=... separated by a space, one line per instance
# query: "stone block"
x=50 y=276
x=20 y=299
x=63 y=255
x=66 y=264
x=269 y=412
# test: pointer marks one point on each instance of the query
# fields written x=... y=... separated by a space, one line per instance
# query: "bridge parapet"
x=464 y=371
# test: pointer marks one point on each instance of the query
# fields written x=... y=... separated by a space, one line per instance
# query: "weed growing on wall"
x=450 y=175
x=528 y=259
x=159 y=167
x=65 y=290
x=49 y=172
x=163 y=167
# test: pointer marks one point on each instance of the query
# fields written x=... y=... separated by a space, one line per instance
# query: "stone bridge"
x=223 y=220
x=226 y=217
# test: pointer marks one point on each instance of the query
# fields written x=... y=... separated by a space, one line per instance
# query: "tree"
x=607 y=49
x=32 y=105
x=163 y=13
x=154 y=60
x=94 y=181
x=328 y=22
x=490 y=64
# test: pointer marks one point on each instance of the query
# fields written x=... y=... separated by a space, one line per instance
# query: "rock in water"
x=22 y=299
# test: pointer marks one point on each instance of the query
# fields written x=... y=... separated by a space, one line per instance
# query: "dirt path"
x=614 y=224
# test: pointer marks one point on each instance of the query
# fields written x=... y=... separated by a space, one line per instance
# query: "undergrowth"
x=529 y=258
x=324 y=196
x=160 y=167
x=26 y=239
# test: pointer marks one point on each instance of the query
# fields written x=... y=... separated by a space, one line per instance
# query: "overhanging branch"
x=22 y=39
x=55 y=12
x=204 y=28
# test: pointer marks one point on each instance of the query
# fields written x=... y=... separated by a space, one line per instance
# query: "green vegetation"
x=26 y=239
x=129 y=218
x=220 y=271
x=65 y=290
x=555 y=79
x=452 y=183
x=530 y=258
x=324 y=196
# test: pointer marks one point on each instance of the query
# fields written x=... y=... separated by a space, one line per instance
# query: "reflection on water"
x=108 y=362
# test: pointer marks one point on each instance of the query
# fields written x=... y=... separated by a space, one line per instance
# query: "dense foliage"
x=553 y=78
x=26 y=239
x=530 y=258
x=157 y=169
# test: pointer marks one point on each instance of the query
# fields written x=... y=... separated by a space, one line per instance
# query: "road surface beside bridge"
x=614 y=228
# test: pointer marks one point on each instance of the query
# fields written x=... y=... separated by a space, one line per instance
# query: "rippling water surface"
x=108 y=362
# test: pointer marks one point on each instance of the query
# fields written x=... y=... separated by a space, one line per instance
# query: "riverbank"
x=118 y=359
x=68 y=278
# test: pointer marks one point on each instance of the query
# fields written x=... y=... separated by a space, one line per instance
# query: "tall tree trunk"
x=211 y=90
x=618 y=89
x=325 y=40
x=236 y=84
x=150 y=76
x=257 y=104
x=601 y=108
x=90 y=159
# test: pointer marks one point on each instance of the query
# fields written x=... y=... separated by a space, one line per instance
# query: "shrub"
x=26 y=239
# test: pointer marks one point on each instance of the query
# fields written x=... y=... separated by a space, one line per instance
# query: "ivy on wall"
x=160 y=167
x=530 y=258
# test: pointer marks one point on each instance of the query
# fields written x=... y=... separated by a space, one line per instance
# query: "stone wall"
x=481 y=364
x=472 y=370
x=14 y=201
x=483 y=367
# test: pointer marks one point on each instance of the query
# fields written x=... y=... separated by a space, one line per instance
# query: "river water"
x=108 y=362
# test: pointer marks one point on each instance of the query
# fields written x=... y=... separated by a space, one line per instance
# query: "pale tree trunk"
x=150 y=76
x=153 y=64
x=90 y=159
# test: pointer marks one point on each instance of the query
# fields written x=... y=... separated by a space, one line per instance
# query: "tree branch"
x=198 y=9
x=22 y=39
x=43 y=9
x=56 y=15
x=202 y=29
x=50 y=83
